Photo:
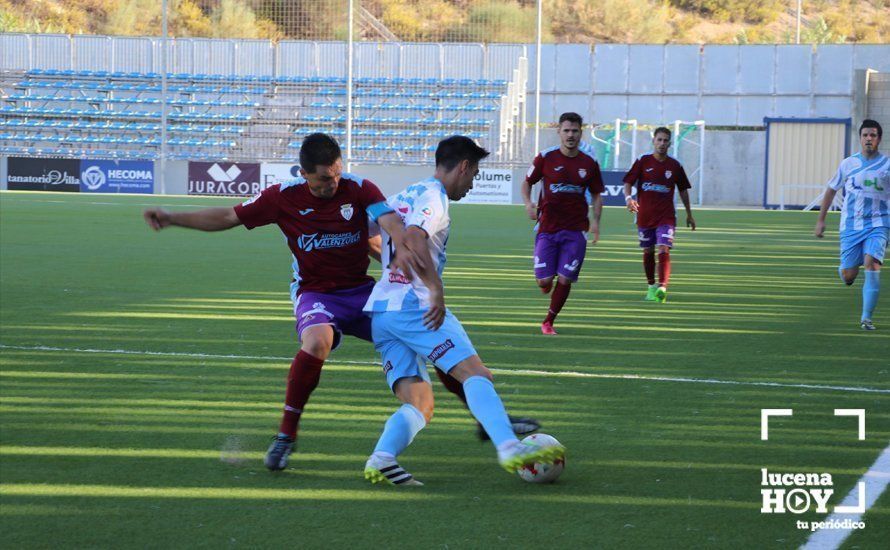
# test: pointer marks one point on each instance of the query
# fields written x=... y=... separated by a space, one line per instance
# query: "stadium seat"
x=120 y=109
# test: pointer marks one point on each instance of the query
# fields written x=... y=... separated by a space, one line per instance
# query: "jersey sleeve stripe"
x=379 y=209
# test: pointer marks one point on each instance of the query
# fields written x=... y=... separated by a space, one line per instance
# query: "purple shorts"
x=559 y=253
x=342 y=309
x=661 y=235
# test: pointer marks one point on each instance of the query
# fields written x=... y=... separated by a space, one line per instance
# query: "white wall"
x=733 y=171
x=721 y=84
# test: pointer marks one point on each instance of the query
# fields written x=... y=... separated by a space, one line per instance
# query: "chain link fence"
x=245 y=80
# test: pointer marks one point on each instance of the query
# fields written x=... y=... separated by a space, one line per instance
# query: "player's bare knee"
x=663 y=249
x=469 y=367
x=849 y=275
x=318 y=341
x=317 y=348
x=564 y=281
x=872 y=264
x=426 y=409
x=544 y=283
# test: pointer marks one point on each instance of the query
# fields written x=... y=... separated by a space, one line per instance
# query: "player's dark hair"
x=318 y=149
x=451 y=151
x=571 y=117
x=869 y=123
x=661 y=130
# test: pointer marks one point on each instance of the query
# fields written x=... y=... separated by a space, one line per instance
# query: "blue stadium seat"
x=81 y=103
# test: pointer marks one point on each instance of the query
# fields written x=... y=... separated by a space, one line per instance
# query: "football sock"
x=487 y=407
x=870 y=291
x=399 y=431
x=302 y=379
x=452 y=384
x=664 y=268
x=557 y=300
x=649 y=266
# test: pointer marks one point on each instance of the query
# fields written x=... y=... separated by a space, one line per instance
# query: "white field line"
x=875 y=480
x=519 y=372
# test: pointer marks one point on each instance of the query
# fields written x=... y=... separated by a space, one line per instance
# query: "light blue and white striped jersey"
x=424 y=204
x=866 y=185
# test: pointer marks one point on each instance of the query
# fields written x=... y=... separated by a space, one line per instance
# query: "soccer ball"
x=542 y=473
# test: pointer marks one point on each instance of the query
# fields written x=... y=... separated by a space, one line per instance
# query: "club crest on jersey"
x=346 y=211
x=426 y=211
x=582 y=172
x=667 y=174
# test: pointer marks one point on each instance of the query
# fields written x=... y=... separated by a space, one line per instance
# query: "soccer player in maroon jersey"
x=655 y=177
x=324 y=216
x=567 y=173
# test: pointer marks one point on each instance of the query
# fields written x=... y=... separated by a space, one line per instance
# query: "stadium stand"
x=236 y=117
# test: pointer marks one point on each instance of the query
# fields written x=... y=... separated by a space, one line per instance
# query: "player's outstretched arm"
x=827 y=200
x=684 y=196
x=415 y=239
x=207 y=219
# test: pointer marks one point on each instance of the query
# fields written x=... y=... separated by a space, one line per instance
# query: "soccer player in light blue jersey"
x=865 y=216
x=410 y=325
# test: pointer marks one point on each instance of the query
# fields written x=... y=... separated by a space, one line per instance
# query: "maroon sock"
x=557 y=300
x=649 y=266
x=302 y=379
x=664 y=268
x=452 y=385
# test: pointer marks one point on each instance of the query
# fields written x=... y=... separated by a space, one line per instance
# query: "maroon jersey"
x=655 y=181
x=328 y=237
x=563 y=204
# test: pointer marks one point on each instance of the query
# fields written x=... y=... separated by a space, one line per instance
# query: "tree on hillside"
x=752 y=11
x=304 y=20
x=633 y=21
x=188 y=19
x=134 y=18
x=423 y=20
x=492 y=21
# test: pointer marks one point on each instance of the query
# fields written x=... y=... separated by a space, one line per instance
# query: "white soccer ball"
x=542 y=473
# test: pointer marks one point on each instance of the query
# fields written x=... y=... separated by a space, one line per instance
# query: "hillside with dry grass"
x=565 y=21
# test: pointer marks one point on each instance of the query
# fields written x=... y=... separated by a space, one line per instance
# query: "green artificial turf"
x=143 y=376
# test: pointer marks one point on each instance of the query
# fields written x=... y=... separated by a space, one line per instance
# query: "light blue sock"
x=870 y=291
x=486 y=406
x=399 y=430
